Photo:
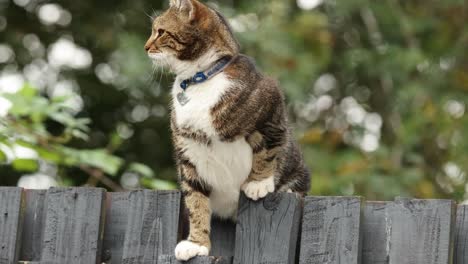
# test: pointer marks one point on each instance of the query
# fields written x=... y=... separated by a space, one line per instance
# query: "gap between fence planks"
x=88 y=225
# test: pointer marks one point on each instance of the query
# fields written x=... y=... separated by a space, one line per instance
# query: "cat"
x=228 y=121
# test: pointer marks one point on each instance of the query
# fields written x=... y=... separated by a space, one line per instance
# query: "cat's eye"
x=161 y=32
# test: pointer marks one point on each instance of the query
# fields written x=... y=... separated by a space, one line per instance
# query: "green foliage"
x=26 y=123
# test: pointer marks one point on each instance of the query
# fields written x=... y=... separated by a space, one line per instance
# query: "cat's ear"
x=185 y=7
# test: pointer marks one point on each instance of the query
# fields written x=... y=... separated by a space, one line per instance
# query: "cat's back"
x=249 y=78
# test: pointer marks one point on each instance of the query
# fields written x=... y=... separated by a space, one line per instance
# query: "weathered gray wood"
x=267 y=230
x=461 y=236
x=33 y=225
x=167 y=259
x=140 y=226
x=117 y=211
x=421 y=231
x=331 y=230
x=168 y=212
x=376 y=229
x=11 y=210
x=223 y=237
x=73 y=226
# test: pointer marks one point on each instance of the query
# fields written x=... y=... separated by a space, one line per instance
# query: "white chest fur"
x=202 y=97
x=222 y=165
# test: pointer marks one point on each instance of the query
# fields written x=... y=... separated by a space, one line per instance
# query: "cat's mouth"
x=155 y=55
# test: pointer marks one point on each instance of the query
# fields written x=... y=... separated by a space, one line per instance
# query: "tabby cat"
x=228 y=120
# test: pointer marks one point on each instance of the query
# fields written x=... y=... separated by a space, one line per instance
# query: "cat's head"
x=189 y=35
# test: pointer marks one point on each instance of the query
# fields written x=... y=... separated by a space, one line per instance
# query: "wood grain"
x=376 y=228
x=11 y=211
x=421 y=231
x=223 y=237
x=140 y=226
x=65 y=225
x=461 y=236
x=267 y=230
x=73 y=226
x=33 y=226
x=331 y=230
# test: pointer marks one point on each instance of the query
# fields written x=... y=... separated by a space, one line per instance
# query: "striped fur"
x=233 y=134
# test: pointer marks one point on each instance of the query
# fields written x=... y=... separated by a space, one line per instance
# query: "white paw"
x=259 y=189
x=186 y=250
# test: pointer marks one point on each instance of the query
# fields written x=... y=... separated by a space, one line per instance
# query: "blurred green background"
x=376 y=91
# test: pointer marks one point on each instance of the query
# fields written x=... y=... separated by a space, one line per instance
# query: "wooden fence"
x=89 y=225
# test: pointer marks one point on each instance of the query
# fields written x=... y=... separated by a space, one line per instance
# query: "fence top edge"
x=403 y=199
x=316 y=198
x=10 y=188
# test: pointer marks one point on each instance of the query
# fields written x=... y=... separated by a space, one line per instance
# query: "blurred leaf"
x=28 y=165
x=141 y=169
x=98 y=158
x=48 y=155
x=28 y=92
x=158 y=184
x=3 y=156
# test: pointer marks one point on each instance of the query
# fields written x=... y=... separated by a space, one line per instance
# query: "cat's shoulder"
x=244 y=69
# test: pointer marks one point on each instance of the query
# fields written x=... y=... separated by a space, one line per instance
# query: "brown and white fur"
x=232 y=135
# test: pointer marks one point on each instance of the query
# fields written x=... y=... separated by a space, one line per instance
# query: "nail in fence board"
x=168 y=259
x=331 y=230
x=73 y=225
x=11 y=211
x=376 y=228
x=140 y=226
x=421 y=231
x=33 y=225
x=223 y=237
x=267 y=230
x=461 y=236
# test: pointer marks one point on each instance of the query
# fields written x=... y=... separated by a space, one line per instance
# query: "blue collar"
x=200 y=77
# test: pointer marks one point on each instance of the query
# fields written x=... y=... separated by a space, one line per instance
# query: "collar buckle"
x=199 y=77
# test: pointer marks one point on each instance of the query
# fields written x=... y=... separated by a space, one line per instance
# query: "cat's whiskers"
x=150 y=17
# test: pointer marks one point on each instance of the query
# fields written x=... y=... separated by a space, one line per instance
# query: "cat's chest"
x=193 y=107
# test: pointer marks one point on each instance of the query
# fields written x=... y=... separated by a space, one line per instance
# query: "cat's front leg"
x=261 y=180
x=195 y=194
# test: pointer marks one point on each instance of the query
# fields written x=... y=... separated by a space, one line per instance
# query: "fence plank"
x=267 y=230
x=223 y=237
x=73 y=225
x=167 y=259
x=11 y=210
x=461 y=236
x=421 y=231
x=169 y=211
x=33 y=225
x=376 y=227
x=140 y=226
x=331 y=230
x=117 y=211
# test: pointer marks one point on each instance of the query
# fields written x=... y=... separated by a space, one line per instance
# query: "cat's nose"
x=147 y=47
